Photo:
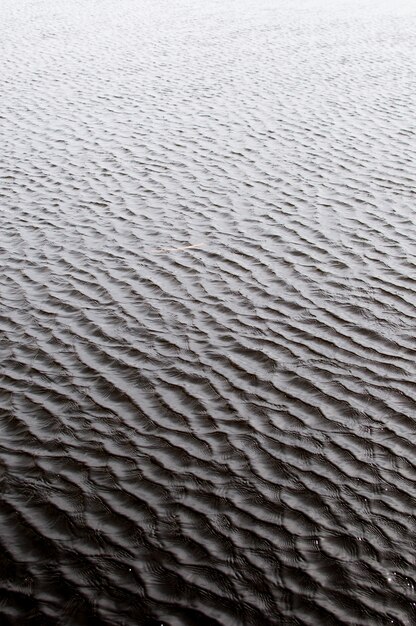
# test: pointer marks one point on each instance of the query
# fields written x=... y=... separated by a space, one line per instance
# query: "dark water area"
x=208 y=313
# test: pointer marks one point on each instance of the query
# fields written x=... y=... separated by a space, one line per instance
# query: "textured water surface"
x=208 y=310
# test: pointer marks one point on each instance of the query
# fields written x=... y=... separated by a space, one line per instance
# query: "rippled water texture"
x=208 y=313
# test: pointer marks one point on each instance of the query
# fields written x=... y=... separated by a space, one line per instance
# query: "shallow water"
x=208 y=313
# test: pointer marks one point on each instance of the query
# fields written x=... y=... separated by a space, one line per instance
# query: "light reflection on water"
x=207 y=245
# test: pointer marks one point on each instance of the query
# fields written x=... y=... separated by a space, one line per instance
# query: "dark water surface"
x=208 y=312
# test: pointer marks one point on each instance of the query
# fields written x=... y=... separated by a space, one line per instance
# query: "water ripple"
x=207 y=247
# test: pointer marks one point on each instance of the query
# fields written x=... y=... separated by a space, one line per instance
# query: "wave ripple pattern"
x=208 y=313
